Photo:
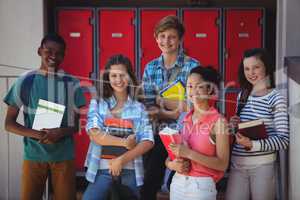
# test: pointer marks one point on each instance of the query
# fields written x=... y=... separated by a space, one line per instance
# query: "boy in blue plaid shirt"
x=171 y=66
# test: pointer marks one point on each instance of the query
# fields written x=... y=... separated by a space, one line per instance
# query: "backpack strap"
x=242 y=101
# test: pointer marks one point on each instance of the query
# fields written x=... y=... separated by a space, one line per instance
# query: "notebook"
x=174 y=91
x=48 y=115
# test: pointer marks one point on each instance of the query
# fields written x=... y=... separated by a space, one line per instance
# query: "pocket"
x=206 y=185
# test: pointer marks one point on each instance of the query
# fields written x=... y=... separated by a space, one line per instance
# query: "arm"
x=218 y=162
x=117 y=163
x=104 y=139
x=138 y=150
x=280 y=137
x=144 y=136
x=169 y=104
x=11 y=125
x=55 y=134
x=179 y=165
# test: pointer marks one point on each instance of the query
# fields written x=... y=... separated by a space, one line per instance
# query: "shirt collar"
x=112 y=101
x=188 y=116
x=179 y=60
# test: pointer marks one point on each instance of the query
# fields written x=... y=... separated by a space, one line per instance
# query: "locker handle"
x=226 y=54
x=141 y=54
x=260 y=21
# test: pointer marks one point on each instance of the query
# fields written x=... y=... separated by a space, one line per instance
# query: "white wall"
x=21 y=29
x=288 y=44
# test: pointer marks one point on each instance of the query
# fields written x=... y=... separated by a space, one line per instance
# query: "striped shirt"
x=156 y=76
x=132 y=110
x=272 y=108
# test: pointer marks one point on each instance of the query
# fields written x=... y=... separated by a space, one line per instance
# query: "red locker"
x=244 y=30
x=149 y=49
x=230 y=104
x=81 y=139
x=74 y=26
x=201 y=40
x=117 y=34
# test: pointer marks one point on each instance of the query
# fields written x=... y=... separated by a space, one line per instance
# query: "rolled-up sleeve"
x=94 y=119
x=144 y=130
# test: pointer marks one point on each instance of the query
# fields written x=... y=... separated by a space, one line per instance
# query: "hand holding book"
x=179 y=165
x=254 y=129
x=168 y=136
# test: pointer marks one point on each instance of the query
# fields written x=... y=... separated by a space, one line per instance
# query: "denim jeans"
x=100 y=188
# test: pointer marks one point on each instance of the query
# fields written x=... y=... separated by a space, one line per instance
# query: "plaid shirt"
x=132 y=110
x=156 y=77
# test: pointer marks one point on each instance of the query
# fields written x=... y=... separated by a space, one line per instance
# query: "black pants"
x=154 y=170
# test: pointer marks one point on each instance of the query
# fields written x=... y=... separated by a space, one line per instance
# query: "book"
x=174 y=91
x=116 y=127
x=48 y=115
x=254 y=129
x=168 y=136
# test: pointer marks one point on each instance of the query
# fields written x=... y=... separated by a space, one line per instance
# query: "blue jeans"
x=100 y=188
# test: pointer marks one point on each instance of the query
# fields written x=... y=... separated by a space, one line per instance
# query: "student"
x=46 y=150
x=203 y=156
x=252 y=172
x=117 y=100
x=171 y=66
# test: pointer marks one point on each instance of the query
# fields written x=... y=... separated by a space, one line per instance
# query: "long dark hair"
x=246 y=86
x=105 y=90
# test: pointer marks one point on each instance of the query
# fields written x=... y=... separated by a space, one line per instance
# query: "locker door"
x=117 y=34
x=148 y=48
x=201 y=40
x=81 y=139
x=74 y=26
x=244 y=30
x=230 y=104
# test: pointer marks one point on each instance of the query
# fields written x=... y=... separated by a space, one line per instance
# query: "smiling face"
x=52 y=55
x=254 y=70
x=197 y=89
x=168 y=41
x=118 y=78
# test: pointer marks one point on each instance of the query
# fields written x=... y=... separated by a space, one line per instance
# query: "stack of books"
x=168 y=136
x=116 y=127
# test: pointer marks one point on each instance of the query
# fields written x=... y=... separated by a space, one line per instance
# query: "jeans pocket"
x=206 y=185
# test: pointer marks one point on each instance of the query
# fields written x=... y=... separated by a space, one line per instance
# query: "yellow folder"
x=174 y=91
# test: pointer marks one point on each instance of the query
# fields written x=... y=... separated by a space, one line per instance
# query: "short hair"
x=208 y=74
x=54 y=37
x=264 y=57
x=107 y=90
x=169 y=22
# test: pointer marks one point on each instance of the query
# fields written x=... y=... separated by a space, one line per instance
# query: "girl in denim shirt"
x=116 y=101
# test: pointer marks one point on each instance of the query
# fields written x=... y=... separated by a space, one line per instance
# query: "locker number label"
x=243 y=35
x=75 y=34
x=201 y=35
x=117 y=35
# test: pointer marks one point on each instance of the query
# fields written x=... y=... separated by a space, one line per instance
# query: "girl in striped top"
x=252 y=170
